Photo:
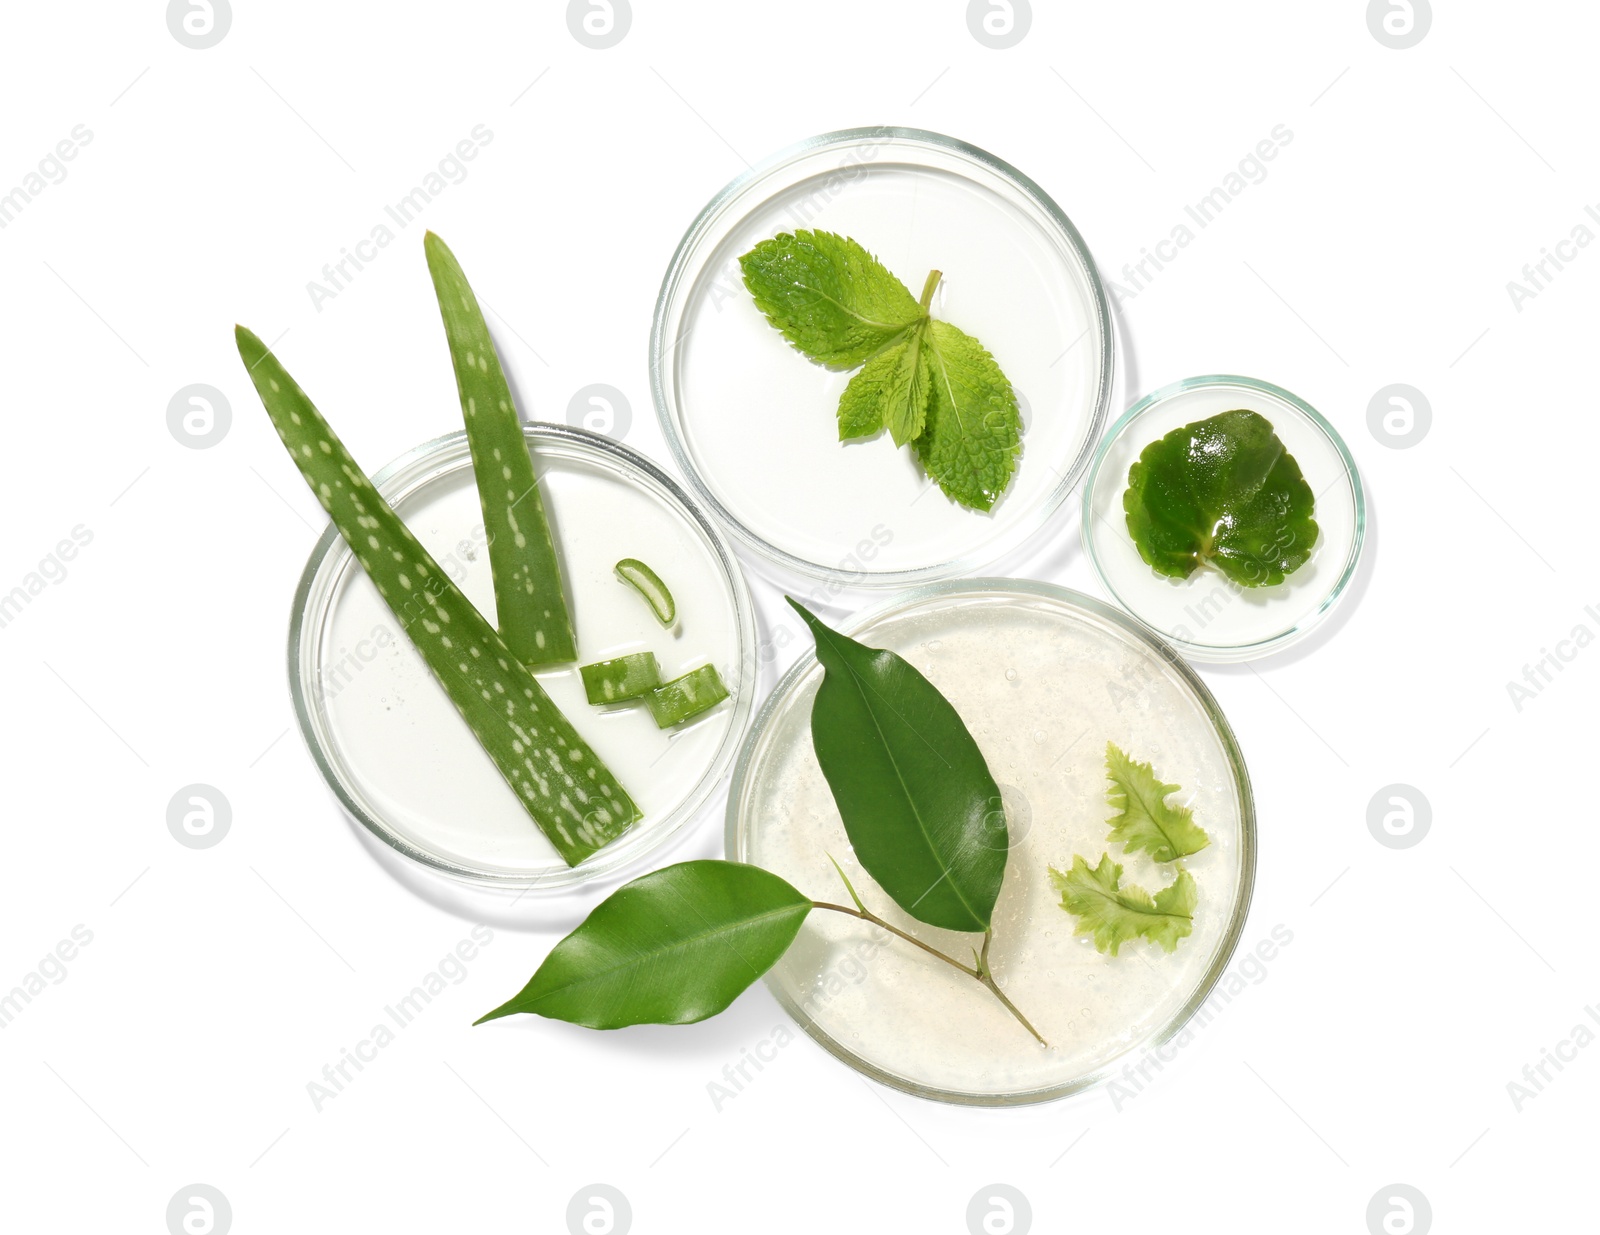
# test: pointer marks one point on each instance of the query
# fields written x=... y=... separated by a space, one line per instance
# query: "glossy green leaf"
x=560 y=781
x=1144 y=820
x=1223 y=491
x=529 y=602
x=674 y=946
x=1114 y=913
x=918 y=802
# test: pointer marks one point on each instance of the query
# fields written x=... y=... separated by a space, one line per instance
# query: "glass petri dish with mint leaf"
x=1226 y=514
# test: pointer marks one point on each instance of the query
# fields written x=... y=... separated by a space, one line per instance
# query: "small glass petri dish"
x=1207 y=617
x=752 y=422
x=393 y=748
x=1044 y=678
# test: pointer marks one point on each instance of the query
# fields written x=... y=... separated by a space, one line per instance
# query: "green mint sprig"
x=931 y=385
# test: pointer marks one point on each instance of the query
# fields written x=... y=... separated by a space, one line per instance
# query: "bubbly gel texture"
x=1043 y=685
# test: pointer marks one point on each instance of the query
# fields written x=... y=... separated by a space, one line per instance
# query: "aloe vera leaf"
x=676 y=701
x=529 y=603
x=622 y=678
x=648 y=584
x=561 y=783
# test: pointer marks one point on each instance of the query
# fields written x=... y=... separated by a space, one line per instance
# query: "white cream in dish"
x=1043 y=682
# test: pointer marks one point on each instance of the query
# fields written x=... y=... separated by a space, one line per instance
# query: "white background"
x=220 y=981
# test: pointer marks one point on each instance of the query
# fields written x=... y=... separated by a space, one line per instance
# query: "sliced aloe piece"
x=648 y=584
x=676 y=701
x=622 y=678
x=529 y=603
x=561 y=783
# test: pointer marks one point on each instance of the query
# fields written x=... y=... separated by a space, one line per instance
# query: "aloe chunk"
x=561 y=783
x=529 y=603
x=649 y=585
x=676 y=701
x=622 y=678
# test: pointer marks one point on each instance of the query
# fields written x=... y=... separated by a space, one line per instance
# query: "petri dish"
x=751 y=421
x=391 y=745
x=1206 y=616
x=1044 y=678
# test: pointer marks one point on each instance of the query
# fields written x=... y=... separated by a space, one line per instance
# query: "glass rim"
x=306 y=616
x=1053 y=500
x=1232 y=653
x=1136 y=630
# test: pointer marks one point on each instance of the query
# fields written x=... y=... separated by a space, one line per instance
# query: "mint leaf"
x=973 y=434
x=1115 y=914
x=1145 y=821
x=829 y=297
x=928 y=383
x=1226 y=491
x=892 y=388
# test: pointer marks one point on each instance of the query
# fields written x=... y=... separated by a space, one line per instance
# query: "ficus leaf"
x=674 y=946
x=918 y=802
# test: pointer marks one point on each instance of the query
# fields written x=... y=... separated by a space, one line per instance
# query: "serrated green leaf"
x=672 y=947
x=530 y=606
x=1144 y=820
x=973 y=434
x=831 y=299
x=892 y=389
x=558 y=779
x=917 y=799
x=1226 y=491
x=1114 y=914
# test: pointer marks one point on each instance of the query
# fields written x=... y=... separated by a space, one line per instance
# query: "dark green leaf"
x=1225 y=491
x=918 y=802
x=674 y=946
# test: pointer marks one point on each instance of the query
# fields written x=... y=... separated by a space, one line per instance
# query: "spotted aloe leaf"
x=529 y=603
x=559 y=780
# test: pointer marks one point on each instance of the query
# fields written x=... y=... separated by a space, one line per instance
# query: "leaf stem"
x=980 y=972
x=927 y=288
